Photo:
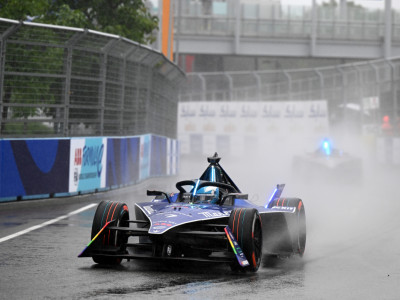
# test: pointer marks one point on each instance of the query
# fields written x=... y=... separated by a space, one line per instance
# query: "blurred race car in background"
x=328 y=164
x=208 y=220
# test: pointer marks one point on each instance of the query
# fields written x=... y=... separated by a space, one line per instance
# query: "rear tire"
x=107 y=211
x=301 y=220
x=245 y=224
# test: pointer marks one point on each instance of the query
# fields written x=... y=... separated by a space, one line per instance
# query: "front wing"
x=203 y=242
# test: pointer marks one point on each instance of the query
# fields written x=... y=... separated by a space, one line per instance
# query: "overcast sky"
x=367 y=3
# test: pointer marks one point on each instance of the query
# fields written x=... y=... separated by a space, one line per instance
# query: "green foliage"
x=128 y=18
x=22 y=9
x=31 y=59
x=65 y=16
x=18 y=128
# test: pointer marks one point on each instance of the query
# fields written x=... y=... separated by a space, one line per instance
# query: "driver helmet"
x=210 y=190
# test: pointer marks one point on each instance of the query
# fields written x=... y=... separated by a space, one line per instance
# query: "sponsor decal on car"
x=170 y=215
x=284 y=208
x=148 y=209
x=242 y=260
x=164 y=224
x=208 y=214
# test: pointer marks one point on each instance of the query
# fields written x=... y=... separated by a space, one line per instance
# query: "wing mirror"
x=158 y=193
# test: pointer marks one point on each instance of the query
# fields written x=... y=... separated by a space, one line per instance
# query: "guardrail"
x=63 y=81
x=42 y=168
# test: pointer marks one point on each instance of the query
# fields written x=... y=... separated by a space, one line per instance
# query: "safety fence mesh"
x=61 y=81
x=366 y=90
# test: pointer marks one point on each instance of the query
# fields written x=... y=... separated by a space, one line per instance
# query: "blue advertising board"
x=158 y=156
x=37 y=168
x=122 y=161
x=33 y=167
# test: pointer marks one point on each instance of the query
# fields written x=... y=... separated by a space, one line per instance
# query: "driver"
x=209 y=194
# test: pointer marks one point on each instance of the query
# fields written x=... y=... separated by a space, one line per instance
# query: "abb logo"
x=78 y=157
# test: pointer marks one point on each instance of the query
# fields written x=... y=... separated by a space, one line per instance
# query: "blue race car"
x=208 y=220
x=327 y=164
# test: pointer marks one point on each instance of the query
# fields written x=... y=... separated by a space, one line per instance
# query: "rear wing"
x=276 y=194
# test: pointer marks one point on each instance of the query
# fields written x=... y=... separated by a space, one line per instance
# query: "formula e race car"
x=208 y=220
x=327 y=164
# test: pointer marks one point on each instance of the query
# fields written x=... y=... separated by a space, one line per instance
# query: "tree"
x=21 y=10
x=127 y=18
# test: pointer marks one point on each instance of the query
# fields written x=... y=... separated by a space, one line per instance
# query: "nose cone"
x=179 y=214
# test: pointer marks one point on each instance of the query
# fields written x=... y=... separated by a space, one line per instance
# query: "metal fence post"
x=344 y=94
x=68 y=71
x=378 y=87
x=393 y=89
x=289 y=78
x=123 y=87
x=230 y=80
x=148 y=93
x=321 y=84
x=4 y=37
x=203 y=85
x=103 y=80
x=258 y=79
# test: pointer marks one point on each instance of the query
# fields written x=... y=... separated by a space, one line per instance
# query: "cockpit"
x=200 y=191
x=212 y=187
x=207 y=194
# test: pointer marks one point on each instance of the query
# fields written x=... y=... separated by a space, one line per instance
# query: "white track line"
x=9 y=237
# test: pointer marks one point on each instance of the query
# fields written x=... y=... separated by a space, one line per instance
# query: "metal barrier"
x=62 y=81
x=372 y=86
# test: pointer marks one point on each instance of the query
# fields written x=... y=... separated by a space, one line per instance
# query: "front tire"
x=245 y=224
x=107 y=211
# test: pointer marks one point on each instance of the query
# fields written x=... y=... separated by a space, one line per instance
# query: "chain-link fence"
x=61 y=81
x=364 y=90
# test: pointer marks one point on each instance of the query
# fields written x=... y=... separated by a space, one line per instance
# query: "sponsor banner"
x=209 y=143
x=248 y=118
x=33 y=167
x=87 y=164
x=145 y=149
x=122 y=161
x=158 y=156
x=187 y=114
x=228 y=113
x=206 y=127
x=206 y=117
x=184 y=142
x=172 y=157
x=370 y=103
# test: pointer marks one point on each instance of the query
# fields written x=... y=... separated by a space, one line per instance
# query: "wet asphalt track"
x=353 y=249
